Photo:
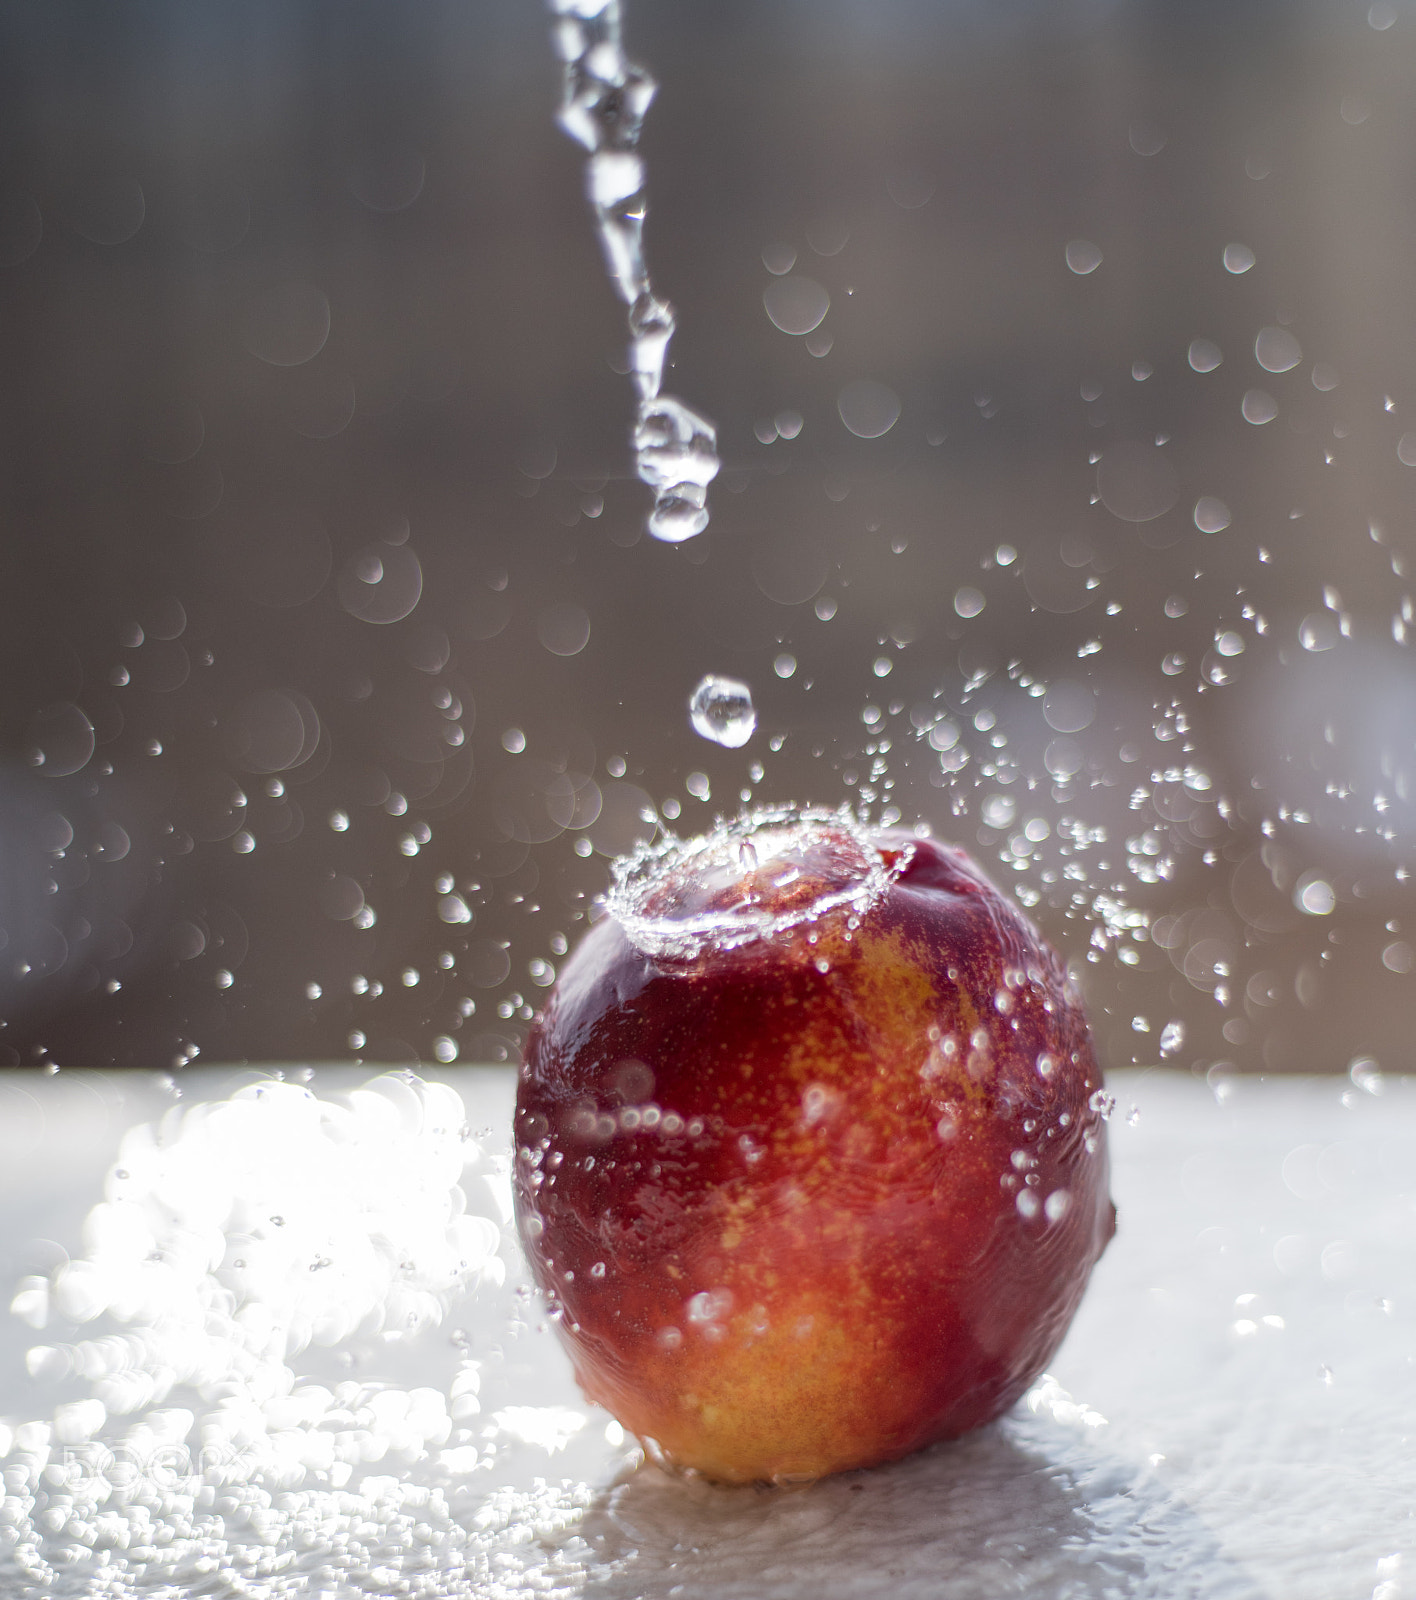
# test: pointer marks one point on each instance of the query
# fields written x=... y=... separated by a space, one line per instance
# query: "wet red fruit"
x=811 y=1155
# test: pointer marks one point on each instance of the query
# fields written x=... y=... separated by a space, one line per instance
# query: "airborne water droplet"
x=1315 y=895
x=1318 y=632
x=677 y=456
x=1259 y=407
x=721 y=710
x=1276 y=350
x=1211 y=514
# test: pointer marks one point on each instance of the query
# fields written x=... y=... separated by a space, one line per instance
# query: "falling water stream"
x=606 y=98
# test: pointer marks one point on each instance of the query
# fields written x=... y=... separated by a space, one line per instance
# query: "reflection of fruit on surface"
x=810 y=1159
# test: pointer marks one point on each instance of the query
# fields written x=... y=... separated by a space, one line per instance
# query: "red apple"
x=811 y=1156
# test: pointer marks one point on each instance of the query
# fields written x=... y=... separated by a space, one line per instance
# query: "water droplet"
x=1238 y=258
x=1259 y=407
x=784 y=666
x=1406 y=450
x=779 y=257
x=867 y=408
x=1366 y=1075
x=1136 y=481
x=452 y=908
x=721 y=710
x=390 y=182
x=564 y=630
x=796 y=305
x=1276 y=350
x=62 y=740
x=1205 y=355
x=1318 y=631
x=1172 y=1037
x=883 y=667
x=677 y=456
x=1063 y=759
x=381 y=583
x=969 y=602
x=288 y=325
x=1398 y=957
x=1211 y=515
x=1083 y=256
x=1068 y=707
x=1315 y=895
x=107 y=210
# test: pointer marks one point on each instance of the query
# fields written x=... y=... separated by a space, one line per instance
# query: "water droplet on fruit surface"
x=1102 y=1103
x=721 y=709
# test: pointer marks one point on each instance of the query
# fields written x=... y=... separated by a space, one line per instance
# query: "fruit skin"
x=787 y=1217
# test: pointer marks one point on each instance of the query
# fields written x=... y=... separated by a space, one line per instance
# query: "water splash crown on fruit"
x=751 y=878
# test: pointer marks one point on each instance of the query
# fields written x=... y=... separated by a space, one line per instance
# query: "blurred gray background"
x=330 y=632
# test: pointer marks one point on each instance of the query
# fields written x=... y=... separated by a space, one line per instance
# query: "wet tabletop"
x=1062 y=370
x=302 y=1359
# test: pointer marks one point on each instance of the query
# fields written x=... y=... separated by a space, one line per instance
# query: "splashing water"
x=721 y=709
x=760 y=875
x=242 y=1372
x=605 y=100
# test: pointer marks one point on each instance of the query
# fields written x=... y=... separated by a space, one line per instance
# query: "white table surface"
x=1233 y=1412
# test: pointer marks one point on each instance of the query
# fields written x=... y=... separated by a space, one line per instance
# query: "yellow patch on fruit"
x=793 y=1400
